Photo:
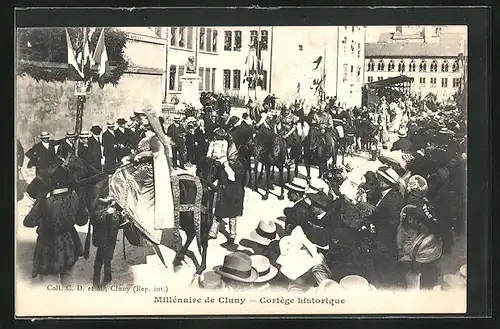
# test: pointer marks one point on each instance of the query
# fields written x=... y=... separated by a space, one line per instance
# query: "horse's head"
x=207 y=169
x=78 y=168
x=232 y=121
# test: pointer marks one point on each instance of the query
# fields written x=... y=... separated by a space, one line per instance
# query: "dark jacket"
x=94 y=153
x=402 y=144
x=109 y=146
x=175 y=133
x=124 y=141
x=65 y=149
x=41 y=157
x=386 y=216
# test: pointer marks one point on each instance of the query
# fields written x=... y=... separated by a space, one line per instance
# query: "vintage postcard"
x=249 y=170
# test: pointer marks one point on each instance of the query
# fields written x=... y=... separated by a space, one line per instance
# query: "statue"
x=190 y=66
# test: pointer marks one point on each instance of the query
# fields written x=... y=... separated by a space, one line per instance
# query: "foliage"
x=49 y=45
x=190 y=111
x=237 y=100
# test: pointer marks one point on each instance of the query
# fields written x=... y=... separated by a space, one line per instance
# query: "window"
x=444 y=82
x=173 y=36
x=353 y=47
x=200 y=74
x=228 y=40
x=263 y=82
x=456 y=82
x=181 y=73
x=214 y=41
x=412 y=66
x=171 y=80
x=236 y=79
x=190 y=38
x=301 y=48
x=433 y=82
x=434 y=66
x=202 y=38
x=253 y=39
x=444 y=66
x=359 y=50
x=209 y=40
x=213 y=80
x=237 y=41
x=371 y=65
x=370 y=79
x=344 y=41
x=455 y=66
x=391 y=66
x=346 y=68
x=264 y=39
x=380 y=78
x=381 y=65
x=422 y=81
x=207 y=79
x=422 y=67
x=352 y=68
x=358 y=74
x=182 y=42
x=401 y=66
x=226 y=79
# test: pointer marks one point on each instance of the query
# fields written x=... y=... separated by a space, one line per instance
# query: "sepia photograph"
x=241 y=170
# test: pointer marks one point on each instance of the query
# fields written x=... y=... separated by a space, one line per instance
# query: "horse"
x=271 y=152
x=242 y=135
x=316 y=152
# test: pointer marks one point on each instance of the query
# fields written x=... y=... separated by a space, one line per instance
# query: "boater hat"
x=111 y=123
x=84 y=134
x=70 y=134
x=297 y=185
x=44 y=134
x=402 y=133
x=177 y=117
x=237 y=266
x=264 y=268
x=388 y=175
x=264 y=233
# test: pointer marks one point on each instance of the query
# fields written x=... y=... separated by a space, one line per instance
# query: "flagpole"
x=80 y=99
x=257 y=55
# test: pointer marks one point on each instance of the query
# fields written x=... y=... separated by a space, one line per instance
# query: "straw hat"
x=316 y=185
x=264 y=233
x=44 y=134
x=264 y=268
x=177 y=117
x=210 y=280
x=463 y=271
x=402 y=133
x=237 y=266
x=84 y=134
x=388 y=175
x=110 y=123
x=70 y=134
x=351 y=282
x=297 y=185
x=220 y=132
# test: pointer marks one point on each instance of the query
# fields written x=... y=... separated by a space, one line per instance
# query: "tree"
x=48 y=45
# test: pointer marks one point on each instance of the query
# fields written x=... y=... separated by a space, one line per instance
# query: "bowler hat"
x=44 y=134
x=121 y=121
x=96 y=129
x=237 y=266
x=264 y=233
x=70 y=134
x=265 y=270
x=319 y=200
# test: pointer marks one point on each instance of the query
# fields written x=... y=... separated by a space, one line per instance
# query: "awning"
x=389 y=82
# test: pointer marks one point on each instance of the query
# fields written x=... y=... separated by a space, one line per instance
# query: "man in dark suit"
x=176 y=132
x=67 y=146
x=95 y=149
x=318 y=226
x=403 y=143
x=139 y=132
x=124 y=139
x=109 y=147
x=301 y=207
x=42 y=155
x=201 y=141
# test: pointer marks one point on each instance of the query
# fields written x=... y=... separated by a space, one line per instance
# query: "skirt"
x=230 y=199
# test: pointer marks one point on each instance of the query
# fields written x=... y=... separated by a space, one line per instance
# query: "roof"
x=389 y=81
x=449 y=45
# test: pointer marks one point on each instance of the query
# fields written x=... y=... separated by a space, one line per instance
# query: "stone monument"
x=190 y=93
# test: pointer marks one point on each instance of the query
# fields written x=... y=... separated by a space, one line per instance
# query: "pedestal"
x=190 y=91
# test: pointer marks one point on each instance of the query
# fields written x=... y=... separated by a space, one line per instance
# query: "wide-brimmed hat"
x=220 y=132
x=121 y=121
x=319 y=200
x=210 y=280
x=297 y=185
x=177 y=117
x=96 y=129
x=264 y=268
x=84 y=134
x=354 y=282
x=237 y=266
x=130 y=124
x=388 y=175
x=70 y=134
x=392 y=163
x=316 y=185
x=264 y=233
x=402 y=133
x=44 y=134
x=417 y=185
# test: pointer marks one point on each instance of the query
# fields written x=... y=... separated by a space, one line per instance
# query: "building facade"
x=431 y=55
x=227 y=56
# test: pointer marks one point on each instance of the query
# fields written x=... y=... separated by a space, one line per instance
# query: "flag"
x=317 y=62
x=101 y=54
x=86 y=54
x=74 y=70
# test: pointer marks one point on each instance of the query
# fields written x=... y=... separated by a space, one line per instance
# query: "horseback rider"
x=266 y=127
x=323 y=121
x=219 y=149
x=287 y=127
